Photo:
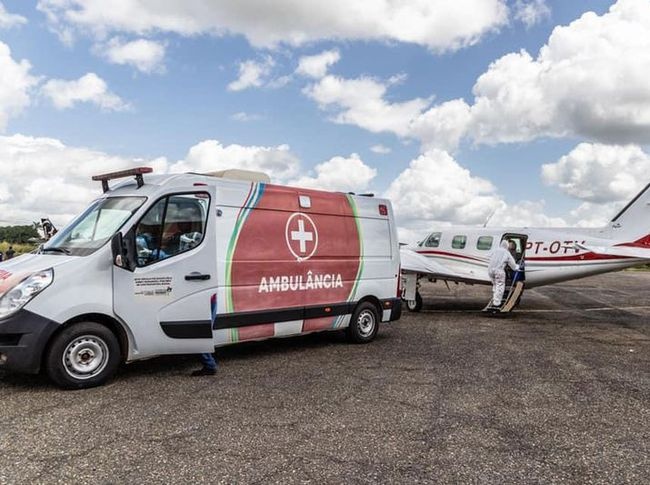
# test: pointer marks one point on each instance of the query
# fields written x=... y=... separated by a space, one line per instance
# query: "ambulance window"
x=458 y=242
x=484 y=243
x=173 y=225
x=434 y=240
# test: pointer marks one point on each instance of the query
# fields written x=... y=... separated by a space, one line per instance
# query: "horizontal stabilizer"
x=622 y=251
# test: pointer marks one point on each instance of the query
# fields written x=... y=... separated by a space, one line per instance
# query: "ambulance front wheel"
x=85 y=354
x=415 y=305
x=364 y=324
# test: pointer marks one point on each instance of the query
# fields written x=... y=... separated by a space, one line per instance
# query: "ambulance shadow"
x=23 y=381
x=160 y=367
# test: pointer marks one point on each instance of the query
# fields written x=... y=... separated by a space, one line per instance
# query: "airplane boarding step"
x=515 y=291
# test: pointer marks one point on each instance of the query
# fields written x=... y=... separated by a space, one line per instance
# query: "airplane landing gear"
x=416 y=304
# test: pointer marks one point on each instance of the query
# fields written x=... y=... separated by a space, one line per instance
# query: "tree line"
x=18 y=234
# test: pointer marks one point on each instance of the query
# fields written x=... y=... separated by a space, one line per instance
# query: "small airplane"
x=544 y=255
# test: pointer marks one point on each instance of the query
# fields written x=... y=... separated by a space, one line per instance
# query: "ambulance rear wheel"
x=415 y=305
x=364 y=324
x=83 y=355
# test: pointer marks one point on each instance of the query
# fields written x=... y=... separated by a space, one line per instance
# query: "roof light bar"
x=134 y=172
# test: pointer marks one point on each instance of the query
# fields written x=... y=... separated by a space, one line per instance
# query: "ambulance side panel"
x=294 y=261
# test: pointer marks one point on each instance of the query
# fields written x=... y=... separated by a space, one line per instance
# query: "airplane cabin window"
x=484 y=243
x=459 y=242
x=433 y=240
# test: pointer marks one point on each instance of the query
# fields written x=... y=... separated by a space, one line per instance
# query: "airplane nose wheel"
x=415 y=305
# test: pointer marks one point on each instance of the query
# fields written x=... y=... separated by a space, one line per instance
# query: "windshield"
x=92 y=229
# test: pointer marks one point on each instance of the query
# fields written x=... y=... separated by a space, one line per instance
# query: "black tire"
x=83 y=355
x=364 y=324
x=414 y=305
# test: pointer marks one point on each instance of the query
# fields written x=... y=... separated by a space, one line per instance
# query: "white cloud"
x=590 y=80
x=89 y=88
x=145 y=55
x=210 y=155
x=380 y=149
x=531 y=12
x=435 y=189
x=8 y=20
x=15 y=85
x=588 y=214
x=252 y=74
x=245 y=117
x=316 y=66
x=437 y=24
x=361 y=102
x=525 y=213
x=442 y=126
x=599 y=173
x=339 y=174
x=42 y=176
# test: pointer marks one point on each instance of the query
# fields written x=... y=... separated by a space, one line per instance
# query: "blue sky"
x=163 y=106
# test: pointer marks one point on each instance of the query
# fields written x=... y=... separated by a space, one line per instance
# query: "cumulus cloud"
x=42 y=176
x=252 y=74
x=339 y=174
x=435 y=189
x=589 y=80
x=15 y=85
x=531 y=12
x=210 y=155
x=8 y=20
x=362 y=102
x=599 y=173
x=145 y=55
x=89 y=88
x=439 y=25
x=316 y=66
x=525 y=213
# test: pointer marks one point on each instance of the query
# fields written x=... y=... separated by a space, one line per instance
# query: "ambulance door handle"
x=195 y=276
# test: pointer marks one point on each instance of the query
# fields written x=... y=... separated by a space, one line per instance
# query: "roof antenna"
x=489 y=217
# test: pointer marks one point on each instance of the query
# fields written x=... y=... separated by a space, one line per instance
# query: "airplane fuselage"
x=551 y=255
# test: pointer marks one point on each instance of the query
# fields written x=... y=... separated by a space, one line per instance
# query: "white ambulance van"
x=184 y=263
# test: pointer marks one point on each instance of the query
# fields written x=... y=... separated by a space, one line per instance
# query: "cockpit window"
x=433 y=241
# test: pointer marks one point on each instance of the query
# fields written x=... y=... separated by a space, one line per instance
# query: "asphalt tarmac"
x=557 y=393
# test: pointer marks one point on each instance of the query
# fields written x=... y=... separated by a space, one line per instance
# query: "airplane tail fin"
x=632 y=224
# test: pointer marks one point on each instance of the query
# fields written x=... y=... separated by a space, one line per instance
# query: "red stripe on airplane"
x=577 y=257
x=444 y=253
x=644 y=243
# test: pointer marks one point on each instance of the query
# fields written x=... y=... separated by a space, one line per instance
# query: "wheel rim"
x=85 y=357
x=366 y=323
x=411 y=304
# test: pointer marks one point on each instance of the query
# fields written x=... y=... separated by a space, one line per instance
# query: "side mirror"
x=123 y=249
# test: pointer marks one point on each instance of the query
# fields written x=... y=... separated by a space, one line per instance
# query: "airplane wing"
x=623 y=251
x=415 y=263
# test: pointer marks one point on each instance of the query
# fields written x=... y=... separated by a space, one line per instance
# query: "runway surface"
x=559 y=392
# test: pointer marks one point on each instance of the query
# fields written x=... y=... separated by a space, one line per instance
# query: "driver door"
x=167 y=300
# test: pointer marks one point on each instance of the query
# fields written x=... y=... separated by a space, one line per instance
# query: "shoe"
x=204 y=371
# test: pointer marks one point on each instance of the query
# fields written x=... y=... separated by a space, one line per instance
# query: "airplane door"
x=518 y=249
x=167 y=300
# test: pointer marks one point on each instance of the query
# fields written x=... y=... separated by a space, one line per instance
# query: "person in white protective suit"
x=497 y=271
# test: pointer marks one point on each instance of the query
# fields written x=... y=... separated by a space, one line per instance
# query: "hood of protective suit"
x=504 y=244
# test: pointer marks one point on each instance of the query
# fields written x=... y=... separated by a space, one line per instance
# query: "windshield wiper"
x=55 y=250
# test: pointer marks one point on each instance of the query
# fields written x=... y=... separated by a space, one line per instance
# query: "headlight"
x=18 y=296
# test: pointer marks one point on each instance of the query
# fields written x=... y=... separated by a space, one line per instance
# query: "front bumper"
x=23 y=338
